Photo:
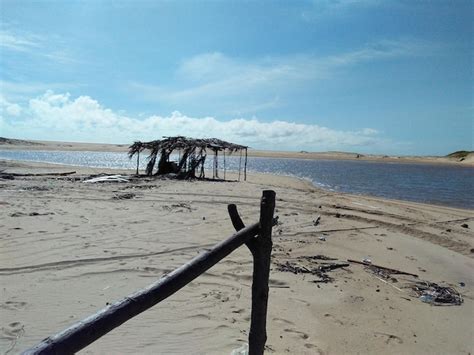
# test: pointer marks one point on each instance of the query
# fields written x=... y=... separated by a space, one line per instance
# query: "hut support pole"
x=245 y=166
x=217 y=164
x=224 y=164
x=138 y=160
x=261 y=249
x=240 y=163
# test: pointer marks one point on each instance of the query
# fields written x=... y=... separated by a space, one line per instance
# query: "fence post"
x=261 y=248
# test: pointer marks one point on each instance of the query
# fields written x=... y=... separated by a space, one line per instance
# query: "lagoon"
x=447 y=185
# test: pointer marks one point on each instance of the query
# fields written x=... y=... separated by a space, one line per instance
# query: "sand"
x=68 y=248
x=15 y=144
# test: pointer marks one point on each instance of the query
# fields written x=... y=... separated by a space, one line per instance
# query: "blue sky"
x=370 y=76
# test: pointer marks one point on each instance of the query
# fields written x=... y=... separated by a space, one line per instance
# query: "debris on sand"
x=425 y=291
x=6 y=176
x=178 y=207
x=436 y=295
x=36 y=188
x=126 y=196
x=318 y=257
x=379 y=270
x=31 y=214
x=317 y=221
x=106 y=178
x=320 y=270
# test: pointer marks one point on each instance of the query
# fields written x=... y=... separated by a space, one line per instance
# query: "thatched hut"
x=192 y=154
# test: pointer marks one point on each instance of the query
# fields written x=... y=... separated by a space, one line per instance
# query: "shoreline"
x=103 y=147
x=307 y=181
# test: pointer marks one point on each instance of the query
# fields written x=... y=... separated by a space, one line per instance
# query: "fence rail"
x=257 y=237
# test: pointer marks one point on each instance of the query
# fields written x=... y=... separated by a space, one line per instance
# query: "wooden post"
x=245 y=166
x=224 y=163
x=261 y=274
x=261 y=249
x=138 y=160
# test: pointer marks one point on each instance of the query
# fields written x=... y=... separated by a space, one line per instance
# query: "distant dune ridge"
x=464 y=157
x=17 y=142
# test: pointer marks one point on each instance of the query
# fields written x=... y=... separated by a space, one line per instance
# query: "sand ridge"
x=68 y=248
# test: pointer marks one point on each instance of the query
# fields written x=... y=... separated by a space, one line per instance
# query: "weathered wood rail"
x=257 y=237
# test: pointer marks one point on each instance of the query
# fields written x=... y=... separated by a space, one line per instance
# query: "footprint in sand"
x=305 y=303
x=338 y=321
x=299 y=334
x=13 y=330
x=200 y=316
x=239 y=311
x=314 y=348
x=13 y=305
x=390 y=338
x=283 y=321
x=356 y=299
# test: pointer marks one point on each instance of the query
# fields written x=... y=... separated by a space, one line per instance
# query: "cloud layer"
x=236 y=86
x=56 y=116
x=26 y=43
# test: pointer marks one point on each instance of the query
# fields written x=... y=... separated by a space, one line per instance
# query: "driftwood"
x=318 y=257
x=40 y=174
x=92 y=328
x=329 y=267
x=390 y=270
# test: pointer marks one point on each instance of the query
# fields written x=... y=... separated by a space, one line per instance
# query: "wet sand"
x=68 y=248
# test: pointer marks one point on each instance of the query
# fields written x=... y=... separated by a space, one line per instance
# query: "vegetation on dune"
x=460 y=154
x=4 y=140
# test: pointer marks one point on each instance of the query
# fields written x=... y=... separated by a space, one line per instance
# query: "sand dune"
x=68 y=248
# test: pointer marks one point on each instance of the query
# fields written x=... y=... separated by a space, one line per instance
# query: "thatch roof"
x=194 y=153
x=184 y=143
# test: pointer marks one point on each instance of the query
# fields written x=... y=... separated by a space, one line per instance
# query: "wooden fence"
x=258 y=239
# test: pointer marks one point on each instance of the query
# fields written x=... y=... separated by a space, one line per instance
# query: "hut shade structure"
x=192 y=154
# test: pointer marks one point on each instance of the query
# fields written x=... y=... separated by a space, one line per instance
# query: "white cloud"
x=236 y=85
x=9 y=108
x=21 y=91
x=49 y=47
x=319 y=9
x=61 y=117
x=17 y=42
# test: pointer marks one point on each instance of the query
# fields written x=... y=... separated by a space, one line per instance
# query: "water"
x=447 y=185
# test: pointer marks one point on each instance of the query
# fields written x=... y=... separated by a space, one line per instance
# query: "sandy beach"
x=131 y=132
x=69 y=248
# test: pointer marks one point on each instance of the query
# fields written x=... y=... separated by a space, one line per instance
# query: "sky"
x=367 y=76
